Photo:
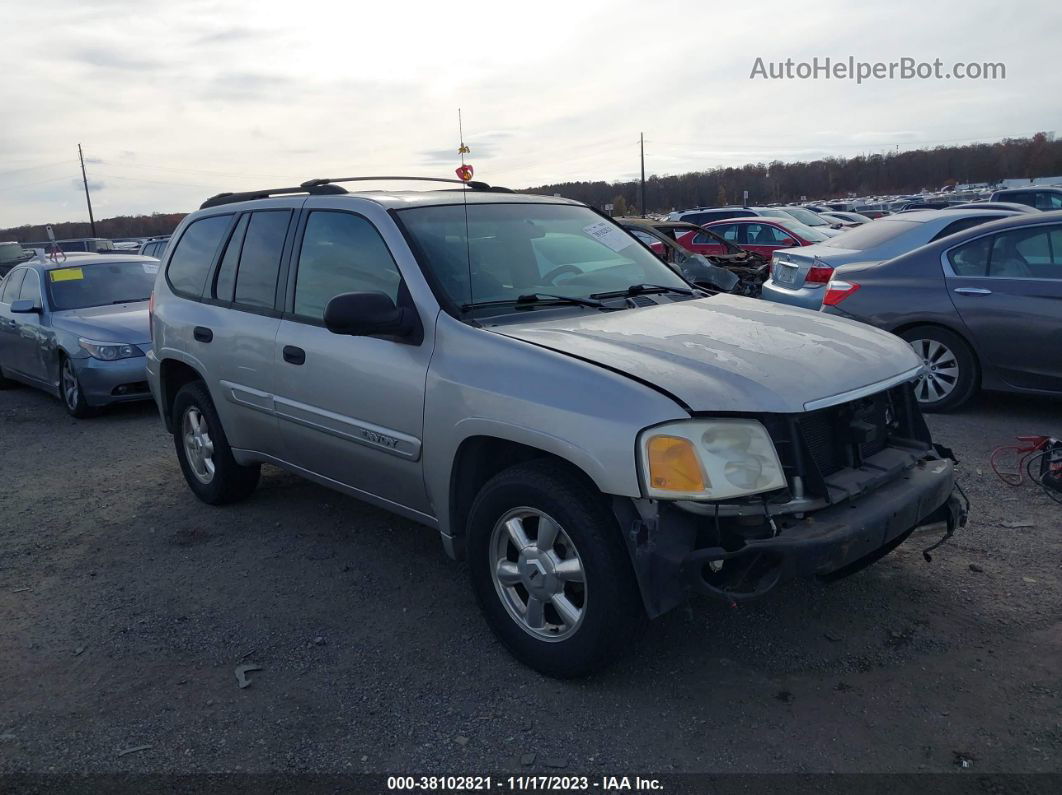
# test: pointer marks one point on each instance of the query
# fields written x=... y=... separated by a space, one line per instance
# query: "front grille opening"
x=817 y=444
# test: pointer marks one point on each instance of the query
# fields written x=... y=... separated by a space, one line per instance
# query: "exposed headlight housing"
x=708 y=460
x=109 y=351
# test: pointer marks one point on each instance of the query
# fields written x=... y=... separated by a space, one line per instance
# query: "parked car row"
x=589 y=409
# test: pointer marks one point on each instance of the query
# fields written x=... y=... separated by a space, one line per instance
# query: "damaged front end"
x=861 y=477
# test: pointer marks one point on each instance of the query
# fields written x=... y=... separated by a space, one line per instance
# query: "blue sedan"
x=78 y=329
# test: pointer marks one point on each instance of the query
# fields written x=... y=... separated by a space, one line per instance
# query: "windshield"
x=509 y=250
x=802 y=230
x=101 y=283
x=873 y=234
x=806 y=217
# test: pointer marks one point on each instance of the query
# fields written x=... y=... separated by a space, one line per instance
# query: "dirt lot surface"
x=126 y=606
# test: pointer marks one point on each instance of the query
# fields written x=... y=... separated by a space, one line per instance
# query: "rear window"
x=873 y=234
x=194 y=254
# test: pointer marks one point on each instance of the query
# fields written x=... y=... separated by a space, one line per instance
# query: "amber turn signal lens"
x=673 y=465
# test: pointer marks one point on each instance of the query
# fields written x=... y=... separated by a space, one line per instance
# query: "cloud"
x=115 y=58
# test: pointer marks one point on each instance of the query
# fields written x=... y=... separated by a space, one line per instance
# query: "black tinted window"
x=194 y=254
x=341 y=253
x=11 y=286
x=958 y=226
x=263 y=243
x=225 y=285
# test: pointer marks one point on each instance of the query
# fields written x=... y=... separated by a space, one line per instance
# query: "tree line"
x=829 y=178
x=153 y=225
x=767 y=183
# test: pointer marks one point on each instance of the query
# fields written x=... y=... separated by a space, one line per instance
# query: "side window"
x=727 y=232
x=341 y=253
x=704 y=239
x=1048 y=201
x=31 y=288
x=263 y=244
x=11 y=286
x=225 y=283
x=191 y=260
x=971 y=259
x=1020 y=253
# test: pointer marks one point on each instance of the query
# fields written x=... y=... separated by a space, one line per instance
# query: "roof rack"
x=326 y=186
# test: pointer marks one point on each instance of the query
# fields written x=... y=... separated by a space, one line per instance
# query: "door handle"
x=203 y=334
x=293 y=355
x=972 y=291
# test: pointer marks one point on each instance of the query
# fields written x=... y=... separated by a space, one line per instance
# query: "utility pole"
x=641 y=146
x=88 y=200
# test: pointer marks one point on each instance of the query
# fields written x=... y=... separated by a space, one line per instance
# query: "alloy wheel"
x=538 y=574
x=198 y=447
x=71 y=390
x=940 y=373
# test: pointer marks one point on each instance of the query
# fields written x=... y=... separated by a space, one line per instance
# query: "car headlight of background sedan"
x=110 y=351
x=709 y=460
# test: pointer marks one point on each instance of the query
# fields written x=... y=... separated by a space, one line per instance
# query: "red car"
x=759 y=235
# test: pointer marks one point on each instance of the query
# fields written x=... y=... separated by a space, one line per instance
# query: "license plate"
x=785 y=274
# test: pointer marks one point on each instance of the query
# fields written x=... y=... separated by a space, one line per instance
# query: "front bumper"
x=120 y=381
x=672 y=559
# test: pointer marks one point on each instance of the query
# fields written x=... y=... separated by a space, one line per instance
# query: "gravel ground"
x=126 y=606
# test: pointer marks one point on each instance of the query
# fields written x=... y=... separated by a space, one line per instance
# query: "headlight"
x=110 y=351
x=709 y=460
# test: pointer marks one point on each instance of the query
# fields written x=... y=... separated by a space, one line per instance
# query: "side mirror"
x=369 y=314
x=25 y=306
x=789 y=242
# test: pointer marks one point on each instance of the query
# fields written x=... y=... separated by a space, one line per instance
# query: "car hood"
x=116 y=323
x=728 y=353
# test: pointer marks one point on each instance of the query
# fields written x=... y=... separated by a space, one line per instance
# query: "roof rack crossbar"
x=326 y=186
x=473 y=184
x=242 y=196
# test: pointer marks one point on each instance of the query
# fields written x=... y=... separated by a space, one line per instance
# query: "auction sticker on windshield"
x=609 y=234
x=67 y=275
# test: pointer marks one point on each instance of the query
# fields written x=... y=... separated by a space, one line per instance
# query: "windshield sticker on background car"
x=609 y=234
x=67 y=275
x=150 y=267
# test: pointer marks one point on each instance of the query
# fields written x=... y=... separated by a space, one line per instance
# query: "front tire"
x=550 y=571
x=70 y=391
x=203 y=450
x=951 y=376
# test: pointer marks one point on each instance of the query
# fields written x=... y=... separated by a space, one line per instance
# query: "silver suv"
x=596 y=436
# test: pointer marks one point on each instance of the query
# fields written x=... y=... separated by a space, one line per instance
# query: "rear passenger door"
x=228 y=265
x=350 y=408
x=1007 y=288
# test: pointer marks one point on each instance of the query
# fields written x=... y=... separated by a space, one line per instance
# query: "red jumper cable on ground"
x=1042 y=452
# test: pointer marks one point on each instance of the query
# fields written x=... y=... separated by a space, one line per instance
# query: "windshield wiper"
x=129 y=301
x=639 y=289
x=531 y=299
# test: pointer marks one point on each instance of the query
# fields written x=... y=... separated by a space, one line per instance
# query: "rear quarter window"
x=191 y=260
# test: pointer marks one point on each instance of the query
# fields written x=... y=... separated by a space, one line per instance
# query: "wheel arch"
x=174 y=374
x=477 y=459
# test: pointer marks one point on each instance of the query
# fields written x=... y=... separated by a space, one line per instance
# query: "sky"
x=175 y=101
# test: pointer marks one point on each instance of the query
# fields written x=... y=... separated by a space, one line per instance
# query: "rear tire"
x=566 y=602
x=203 y=450
x=953 y=374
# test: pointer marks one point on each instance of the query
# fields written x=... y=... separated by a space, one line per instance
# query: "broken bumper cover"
x=832 y=542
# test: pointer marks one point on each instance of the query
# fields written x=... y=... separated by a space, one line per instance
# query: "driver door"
x=350 y=408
